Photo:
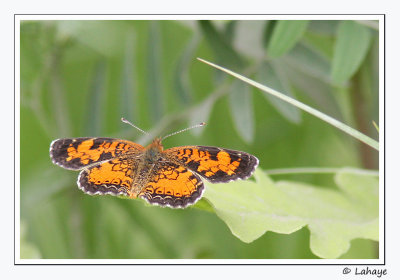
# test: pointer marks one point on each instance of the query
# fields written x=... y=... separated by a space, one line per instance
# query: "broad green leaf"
x=203 y=205
x=351 y=46
x=269 y=74
x=219 y=44
x=252 y=208
x=154 y=80
x=241 y=104
x=334 y=217
x=285 y=36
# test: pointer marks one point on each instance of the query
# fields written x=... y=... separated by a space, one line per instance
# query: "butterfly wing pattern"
x=114 y=177
x=217 y=165
x=105 y=163
x=169 y=177
x=77 y=153
x=176 y=181
x=172 y=185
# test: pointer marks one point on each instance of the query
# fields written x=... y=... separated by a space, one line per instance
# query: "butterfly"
x=171 y=177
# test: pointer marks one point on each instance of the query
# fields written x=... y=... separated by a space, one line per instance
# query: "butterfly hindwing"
x=113 y=177
x=172 y=185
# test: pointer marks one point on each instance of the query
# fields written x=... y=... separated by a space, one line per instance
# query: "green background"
x=78 y=78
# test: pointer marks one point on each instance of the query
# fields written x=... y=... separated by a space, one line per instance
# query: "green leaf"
x=219 y=44
x=316 y=90
x=241 y=104
x=203 y=204
x=229 y=30
x=285 y=36
x=351 y=46
x=334 y=217
x=376 y=126
x=269 y=74
x=306 y=60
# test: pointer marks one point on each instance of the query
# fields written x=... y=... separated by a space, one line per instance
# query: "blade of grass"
x=182 y=82
x=376 y=126
x=319 y=170
x=128 y=97
x=155 y=88
x=347 y=129
x=96 y=97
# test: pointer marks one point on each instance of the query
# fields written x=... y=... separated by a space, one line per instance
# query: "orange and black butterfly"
x=170 y=177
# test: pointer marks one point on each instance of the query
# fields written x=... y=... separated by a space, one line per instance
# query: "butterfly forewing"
x=77 y=153
x=217 y=165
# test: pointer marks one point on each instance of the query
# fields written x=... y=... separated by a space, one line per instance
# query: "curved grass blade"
x=347 y=129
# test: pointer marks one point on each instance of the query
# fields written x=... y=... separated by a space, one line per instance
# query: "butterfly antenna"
x=131 y=124
x=193 y=126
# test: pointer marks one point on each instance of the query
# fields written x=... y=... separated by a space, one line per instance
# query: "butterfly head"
x=155 y=146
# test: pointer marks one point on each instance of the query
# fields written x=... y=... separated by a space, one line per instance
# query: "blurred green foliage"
x=78 y=78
